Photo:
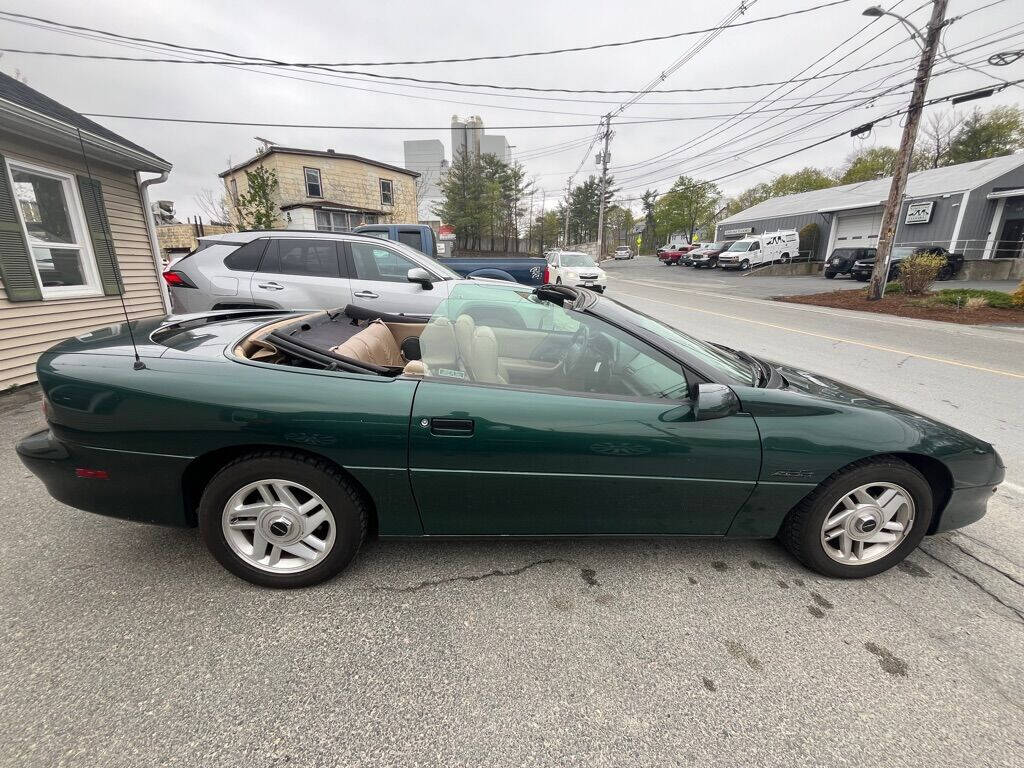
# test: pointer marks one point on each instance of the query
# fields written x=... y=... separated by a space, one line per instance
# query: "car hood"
x=826 y=390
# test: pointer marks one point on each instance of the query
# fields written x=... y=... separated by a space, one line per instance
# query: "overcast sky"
x=317 y=30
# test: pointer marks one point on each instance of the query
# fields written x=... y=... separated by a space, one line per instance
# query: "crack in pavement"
x=496 y=573
x=978 y=584
x=995 y=568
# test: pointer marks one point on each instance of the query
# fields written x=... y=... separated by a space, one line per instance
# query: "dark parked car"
x=842 y=259
x=862 y=268
x=706 y=255
x=288 y=438
x=528 y=270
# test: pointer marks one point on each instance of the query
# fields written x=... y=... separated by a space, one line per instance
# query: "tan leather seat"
x=439 y=350
x=483 y=359
x=465 y=327
x=374 y=344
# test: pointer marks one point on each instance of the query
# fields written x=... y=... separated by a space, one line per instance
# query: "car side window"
x=411 y=238
x=247 y=257
x=754 y=246
x=374 y=262
x=314 y=258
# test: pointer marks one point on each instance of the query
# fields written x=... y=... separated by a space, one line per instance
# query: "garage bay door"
x=859 y=230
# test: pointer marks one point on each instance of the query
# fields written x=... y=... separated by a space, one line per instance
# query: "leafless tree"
x=216 y=208
x=937 y=134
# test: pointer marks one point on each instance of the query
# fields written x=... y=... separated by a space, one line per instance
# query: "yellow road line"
x=878 y=347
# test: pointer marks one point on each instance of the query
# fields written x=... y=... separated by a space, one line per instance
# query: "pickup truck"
x=528 y=270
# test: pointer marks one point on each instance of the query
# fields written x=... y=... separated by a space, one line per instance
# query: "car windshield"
x=741 y=245
x=577 y=260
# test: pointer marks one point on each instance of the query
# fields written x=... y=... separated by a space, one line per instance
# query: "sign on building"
x=738 y=232
x=919 y=213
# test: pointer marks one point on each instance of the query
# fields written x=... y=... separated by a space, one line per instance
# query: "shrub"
x=918 y=272
x=975 y=302
x=1017 y=297
x=961 y=296
x=893 y=287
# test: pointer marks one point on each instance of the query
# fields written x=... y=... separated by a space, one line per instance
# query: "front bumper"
x=131 y=486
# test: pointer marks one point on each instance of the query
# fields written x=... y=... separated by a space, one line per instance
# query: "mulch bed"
x=908 y=306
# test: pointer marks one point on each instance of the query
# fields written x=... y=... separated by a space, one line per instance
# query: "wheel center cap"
x=280 y=526
x=865 y=522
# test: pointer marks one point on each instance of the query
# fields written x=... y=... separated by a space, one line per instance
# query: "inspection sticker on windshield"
x=451 y=373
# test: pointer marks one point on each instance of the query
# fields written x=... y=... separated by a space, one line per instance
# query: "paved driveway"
x=127 y=645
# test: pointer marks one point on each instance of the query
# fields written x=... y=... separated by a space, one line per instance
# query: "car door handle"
x=451 y=427
x=365 y=295
x=271 y=286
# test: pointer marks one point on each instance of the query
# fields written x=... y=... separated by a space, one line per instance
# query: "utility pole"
x=894 y=203
x=604 y=185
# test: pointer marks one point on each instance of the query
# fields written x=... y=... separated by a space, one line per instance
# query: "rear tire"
x=326 y=535
x=808 y=524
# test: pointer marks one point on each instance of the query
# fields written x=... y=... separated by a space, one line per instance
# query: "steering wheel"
x=574 y=354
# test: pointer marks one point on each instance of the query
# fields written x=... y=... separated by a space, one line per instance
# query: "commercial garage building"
x=973 y=208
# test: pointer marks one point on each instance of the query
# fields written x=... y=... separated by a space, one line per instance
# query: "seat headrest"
x=437 y=343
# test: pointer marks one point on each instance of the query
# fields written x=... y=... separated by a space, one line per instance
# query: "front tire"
x=744 y=265
x=861 y=521
x=830 y=275
x=282 y=519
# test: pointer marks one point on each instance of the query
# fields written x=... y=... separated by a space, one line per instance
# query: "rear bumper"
x=136 y=486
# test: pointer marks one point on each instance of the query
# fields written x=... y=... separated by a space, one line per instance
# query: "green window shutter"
x=15 y=258
x=91 y=192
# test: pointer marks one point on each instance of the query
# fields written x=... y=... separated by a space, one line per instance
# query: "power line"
x=525 y=54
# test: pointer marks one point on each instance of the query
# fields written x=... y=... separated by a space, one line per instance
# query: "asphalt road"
x=127 y=645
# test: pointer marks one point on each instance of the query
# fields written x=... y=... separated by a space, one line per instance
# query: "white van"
x=765 y=248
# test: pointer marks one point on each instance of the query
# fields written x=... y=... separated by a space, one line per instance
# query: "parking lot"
x=127 y=645
x=754 y=284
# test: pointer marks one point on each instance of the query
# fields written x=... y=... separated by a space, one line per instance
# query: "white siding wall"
x=27 y=328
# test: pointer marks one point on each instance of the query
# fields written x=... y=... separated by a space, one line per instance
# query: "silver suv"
x=288 y=269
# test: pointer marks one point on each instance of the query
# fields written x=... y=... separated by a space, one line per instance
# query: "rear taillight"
x=177 y=279
x=547 y=275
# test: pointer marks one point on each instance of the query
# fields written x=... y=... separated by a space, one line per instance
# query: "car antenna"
x=138 y=365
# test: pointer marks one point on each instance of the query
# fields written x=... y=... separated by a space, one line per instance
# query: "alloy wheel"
x=867 y=523
x=278 y=526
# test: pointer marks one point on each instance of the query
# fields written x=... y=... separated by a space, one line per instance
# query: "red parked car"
x=671 y=256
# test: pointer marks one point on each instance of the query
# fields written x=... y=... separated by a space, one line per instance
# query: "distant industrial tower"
x=468 y=137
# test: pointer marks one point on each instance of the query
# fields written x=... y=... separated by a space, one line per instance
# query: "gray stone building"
x=973 y=208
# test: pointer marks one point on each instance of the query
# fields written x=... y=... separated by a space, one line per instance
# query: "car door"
x=302 y=273
x=509 y=458
x=379 y=280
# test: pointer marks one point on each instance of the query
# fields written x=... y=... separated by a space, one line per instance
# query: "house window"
x=342 y=221
x=55 y=230
x=234 y=190
x=313 y=186
x=387 y=192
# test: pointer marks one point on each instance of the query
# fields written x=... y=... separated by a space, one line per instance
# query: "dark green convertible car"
x=288 y=438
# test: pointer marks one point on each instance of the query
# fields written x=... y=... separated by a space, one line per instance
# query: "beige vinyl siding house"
x=37 y=147
x=331 y=191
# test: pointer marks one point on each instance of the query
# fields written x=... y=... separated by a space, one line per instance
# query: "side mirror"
x=715 y=401
x=421 y=276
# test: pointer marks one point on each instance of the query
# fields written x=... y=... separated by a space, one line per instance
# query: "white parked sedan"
x=576 y=268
